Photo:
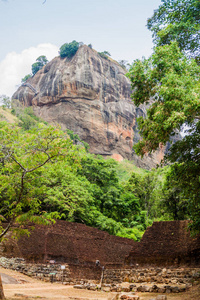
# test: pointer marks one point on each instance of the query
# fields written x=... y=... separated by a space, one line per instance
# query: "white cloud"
x=16 y=65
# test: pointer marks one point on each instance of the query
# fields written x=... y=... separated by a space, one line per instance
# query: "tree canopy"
x=23 y=158
x=5 y=100
x=41 y=61
x=177 y=20
x=169 y=82
x=69 y=49
x=26 y=77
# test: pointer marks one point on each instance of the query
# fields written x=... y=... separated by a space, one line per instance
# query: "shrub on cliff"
x=26 y=77
x=41 y=61
x=69 y=50
x=104 y=54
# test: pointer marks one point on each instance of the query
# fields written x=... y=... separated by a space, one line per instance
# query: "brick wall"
x=72 y=243
x=164 y=244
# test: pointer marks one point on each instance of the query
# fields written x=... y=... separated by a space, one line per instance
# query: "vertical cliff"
x=89 y=95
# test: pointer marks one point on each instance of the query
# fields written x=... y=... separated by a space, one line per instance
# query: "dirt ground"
x=29 y=288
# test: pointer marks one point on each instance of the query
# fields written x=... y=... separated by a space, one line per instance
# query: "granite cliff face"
x=89 y=95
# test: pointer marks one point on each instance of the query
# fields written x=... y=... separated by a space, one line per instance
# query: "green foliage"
x=107 y=53
x=41 y=61
x=147 y=189
x=23 y=159
x=104 y=54
x=174 y=203
x=69 y=50
x=124 y=64
x=76 y=139
x=172 y=81
x=113 y=227
x=26 y=116
x=65 y=192
x=185 y=155
x=177 y=20
x=125 y=169
x=73 y=185
x=6 y=101
x=124 y=204
x=26 y=77
x=101 y=174
x=79 y=187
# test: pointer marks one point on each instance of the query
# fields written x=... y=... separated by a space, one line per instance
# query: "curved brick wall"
x=166 y=243
x=163 y=244
x=71 y=243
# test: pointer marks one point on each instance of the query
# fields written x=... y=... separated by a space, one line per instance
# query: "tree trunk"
x=2 y=297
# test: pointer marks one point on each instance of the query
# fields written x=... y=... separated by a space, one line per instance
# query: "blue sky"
x=29 y=28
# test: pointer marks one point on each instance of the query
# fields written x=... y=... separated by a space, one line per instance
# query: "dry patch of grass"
x=5 y=115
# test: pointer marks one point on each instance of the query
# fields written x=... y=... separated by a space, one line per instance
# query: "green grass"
x=126 y=168
x=5 y=115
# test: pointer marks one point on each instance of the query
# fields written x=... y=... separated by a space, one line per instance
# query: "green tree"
x=69 y=49
x=146 y=189
x=6 y=101
x=102 y=175
x=185 y=155
x=26 y=77
x=41 y=61
x=76 y=199
x=66 y=192
x=107 y=53
x=128 y=209
x=104 y=54
x=26 y=116
x=174 y=202
x=177 y=20
x=171 y=83
x=22 y=159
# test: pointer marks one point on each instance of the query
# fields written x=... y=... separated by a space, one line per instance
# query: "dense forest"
x=47 y=173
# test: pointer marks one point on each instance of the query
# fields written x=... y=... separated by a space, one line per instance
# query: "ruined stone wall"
x=155 y=280
x=70 y=275
x=154 y=275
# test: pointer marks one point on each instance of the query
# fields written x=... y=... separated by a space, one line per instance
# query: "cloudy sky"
x=30 y=28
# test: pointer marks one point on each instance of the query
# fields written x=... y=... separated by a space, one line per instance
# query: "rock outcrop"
x=89 y=95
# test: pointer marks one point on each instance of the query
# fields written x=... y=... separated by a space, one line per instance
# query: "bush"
x=26 y=77
x=104 y=54
x=69 y=50
x=41 y=61
x=6 y=101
